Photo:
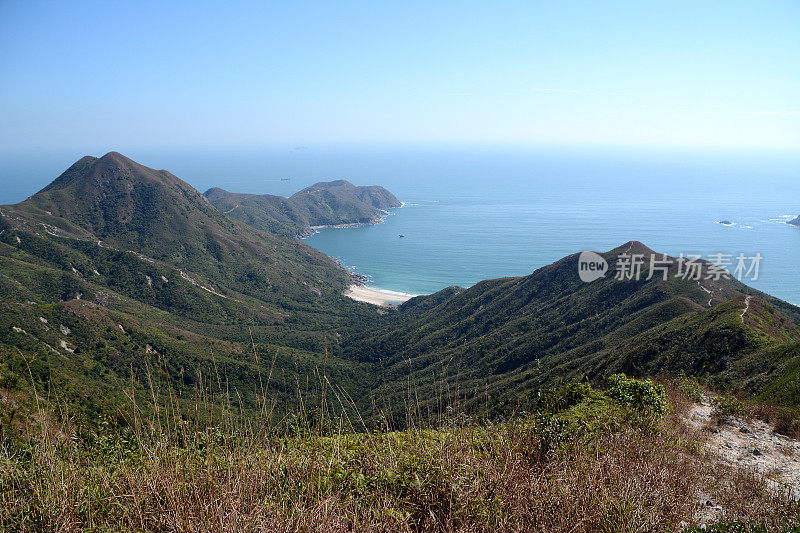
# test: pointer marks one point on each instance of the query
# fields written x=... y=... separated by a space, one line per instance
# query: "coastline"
x=311 y=230
x=382 y=298
x=358 y=290
x=372 y=222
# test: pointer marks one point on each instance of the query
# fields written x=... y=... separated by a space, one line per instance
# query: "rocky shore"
x=308 y=231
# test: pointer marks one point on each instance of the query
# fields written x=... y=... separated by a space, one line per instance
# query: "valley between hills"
x=129 y=301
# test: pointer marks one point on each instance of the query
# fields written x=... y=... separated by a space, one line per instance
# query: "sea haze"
x=477 y=212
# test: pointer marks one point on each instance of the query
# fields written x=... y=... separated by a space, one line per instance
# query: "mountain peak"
x=340 y=183
x=632 y=247
x=116 y=157
x=91 y=174
x=85 y=160
x=115 y=161
x=114 y=197
x=335 y=184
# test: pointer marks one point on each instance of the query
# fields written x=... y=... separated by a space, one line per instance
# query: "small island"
x=725 y=222
x=795 y=221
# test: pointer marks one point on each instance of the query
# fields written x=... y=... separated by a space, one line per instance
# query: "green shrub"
x=596 y=415
x=644 y=397
x=566 y=396
x=728 y=405
x=690 y=388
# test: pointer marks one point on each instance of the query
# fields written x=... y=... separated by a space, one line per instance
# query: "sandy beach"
x=376 y=297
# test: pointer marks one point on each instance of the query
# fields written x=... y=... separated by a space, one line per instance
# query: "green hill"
x=127 y=206
x=147 y=276
x=322 y=204
x=120 y=282
x=506 y=338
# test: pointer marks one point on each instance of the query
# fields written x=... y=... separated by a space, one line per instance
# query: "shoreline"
x=358 y=290
x=379 y=297
x=349 y=225
x=312 y=230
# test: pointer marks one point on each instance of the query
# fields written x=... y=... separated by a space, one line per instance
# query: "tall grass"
x=589 y=464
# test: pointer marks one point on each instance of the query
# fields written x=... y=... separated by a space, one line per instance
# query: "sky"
x=86 y=75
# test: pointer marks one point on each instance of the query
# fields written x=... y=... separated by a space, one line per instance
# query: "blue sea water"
x=477 y=212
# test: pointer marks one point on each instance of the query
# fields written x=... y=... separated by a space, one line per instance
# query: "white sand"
x=376 y=297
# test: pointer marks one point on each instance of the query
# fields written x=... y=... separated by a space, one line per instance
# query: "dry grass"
x=588 y=468
x=784 y=420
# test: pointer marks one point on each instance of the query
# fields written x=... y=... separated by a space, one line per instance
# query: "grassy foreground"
x=586 y=460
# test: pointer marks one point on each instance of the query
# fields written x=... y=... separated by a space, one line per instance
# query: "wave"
x=781 y=219
x=392 y=293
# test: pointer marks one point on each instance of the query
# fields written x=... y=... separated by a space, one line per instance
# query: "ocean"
x=476 y=212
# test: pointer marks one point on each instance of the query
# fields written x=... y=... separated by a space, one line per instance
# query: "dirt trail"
x=750 y=444
x=708 y=291
x=746 y=307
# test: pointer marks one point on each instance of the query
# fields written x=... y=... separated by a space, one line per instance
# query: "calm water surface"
x=477 y=212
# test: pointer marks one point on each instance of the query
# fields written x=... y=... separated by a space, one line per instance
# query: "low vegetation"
x=164 y=366
x=584 y=460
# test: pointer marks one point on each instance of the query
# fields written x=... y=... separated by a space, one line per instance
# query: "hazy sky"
x=80 y=74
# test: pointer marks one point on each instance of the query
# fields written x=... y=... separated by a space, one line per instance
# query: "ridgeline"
x=332 y=203
x=115 y=271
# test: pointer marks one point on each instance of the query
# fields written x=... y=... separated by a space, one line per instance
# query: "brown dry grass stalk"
x=474 y=478
x=234 y=475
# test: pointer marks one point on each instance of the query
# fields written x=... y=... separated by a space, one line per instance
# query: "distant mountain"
x=330 y=203
x=795 y=221
x=505 y=338
x=144 y=273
